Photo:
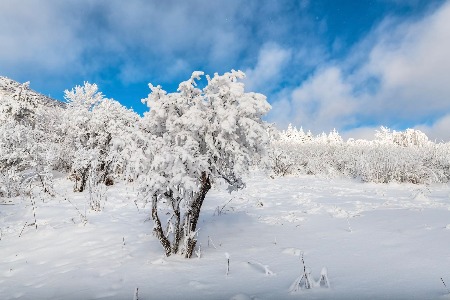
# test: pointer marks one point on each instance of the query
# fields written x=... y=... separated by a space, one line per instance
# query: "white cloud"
x=412 y=63
x=363 y=133
x=34 y=35
x=321 y=103
x=439 y=130
x=137 y=38
x=267 y=72
x=400 y=80
x=324 y=101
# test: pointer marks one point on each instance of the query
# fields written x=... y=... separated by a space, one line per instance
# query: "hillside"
x=21 y=102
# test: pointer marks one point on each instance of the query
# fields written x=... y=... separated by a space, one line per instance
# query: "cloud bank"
x=397 y=76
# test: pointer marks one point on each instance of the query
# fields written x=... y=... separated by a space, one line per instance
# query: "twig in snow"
x=306 y=275
x=228 y=262
x=33 y=204
x=136 y=294
x=348 y=222
x=303 y=281
x=24 y=225
x=212 y=243
x=135 y=203
x=448 y=291
x=219 y=209
x=199 y=251
x=323 y=281
x=83 y=218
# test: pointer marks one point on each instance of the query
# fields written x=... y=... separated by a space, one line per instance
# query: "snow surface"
x=377 y=241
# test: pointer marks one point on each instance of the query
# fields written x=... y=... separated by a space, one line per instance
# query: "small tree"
x=191 y=139
x=94 y=133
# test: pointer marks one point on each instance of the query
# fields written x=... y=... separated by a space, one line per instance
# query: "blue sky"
x=323 y=64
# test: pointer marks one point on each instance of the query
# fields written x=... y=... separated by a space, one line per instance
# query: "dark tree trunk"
x=82 y=177
x=193 y=214
x=178 y=234
x=181 y=230
x=105 y=166
x=158 y=229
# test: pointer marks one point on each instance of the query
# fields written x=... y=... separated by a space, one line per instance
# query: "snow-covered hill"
x=13 y=93
x=378 y=241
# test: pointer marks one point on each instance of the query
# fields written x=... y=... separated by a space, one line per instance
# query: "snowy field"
x=378 y=241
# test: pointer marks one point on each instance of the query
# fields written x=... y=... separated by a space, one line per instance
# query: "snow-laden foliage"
x=191 y=139
x=85 y=137
x=94 y=131
x=19 y=103
x=24 y=159
x=409 y=137
x=25 y=153
x=405 y=156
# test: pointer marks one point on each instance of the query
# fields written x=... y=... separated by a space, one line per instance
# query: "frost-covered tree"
x=409 y=137
x=94 y=133
x=16 y=105
x=19 y=103
x=399 y=156
x=193 y=138
x=25 y=150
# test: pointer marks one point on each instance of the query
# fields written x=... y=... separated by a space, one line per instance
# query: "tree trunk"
x=185 y=229
x=193 y=214
x=82 y=176
x=178 y=234
x=158 y=229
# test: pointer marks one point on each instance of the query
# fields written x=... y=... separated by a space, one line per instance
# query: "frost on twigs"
x=306 y=281
x=95 y=132
x=136 y=294
x=403 y=156
x=227 y=256
x=191 y=139
x=323 y=281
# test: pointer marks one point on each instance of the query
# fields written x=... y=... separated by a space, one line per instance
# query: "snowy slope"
x=377 y=241
x=9 y=87
x=27 y=98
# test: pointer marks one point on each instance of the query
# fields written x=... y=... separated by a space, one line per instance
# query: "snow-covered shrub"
x=394 y=156
x=409 y=137
x=17 y=105
x=281 y=163
x=25 y=157
x=190 y=139
x=94 y=131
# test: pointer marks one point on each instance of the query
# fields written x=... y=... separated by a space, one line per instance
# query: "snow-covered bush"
x=86 y=137
x=405 y=156
x=25 y=157
x=189 y=140
x=94 y=131
x=409 y=137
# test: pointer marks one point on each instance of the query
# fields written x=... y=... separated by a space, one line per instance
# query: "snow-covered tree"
x=401 y=156
x=409 y=137
x=94 y=133
x=25 y=152
x=193 y=138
